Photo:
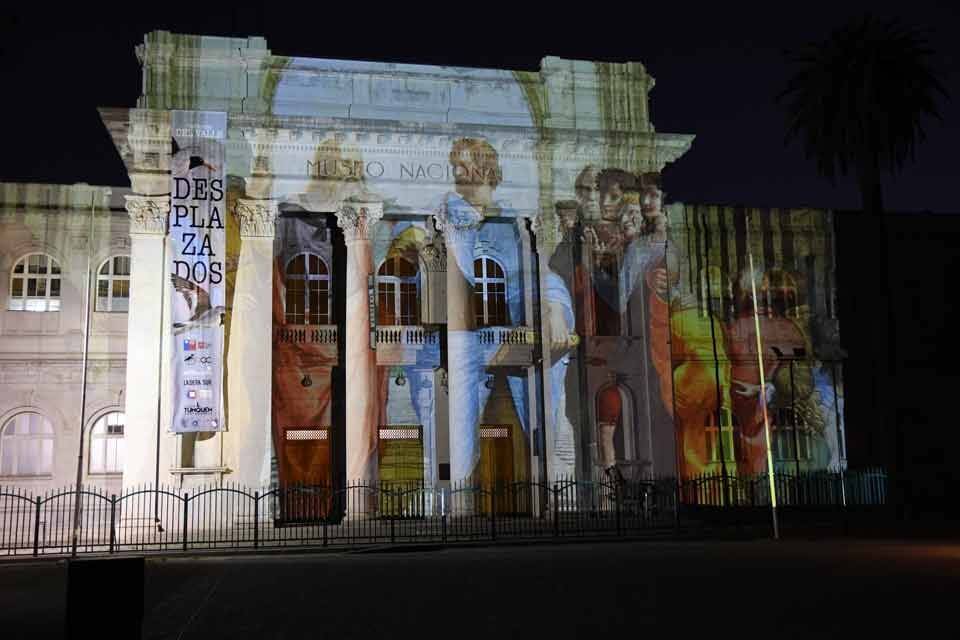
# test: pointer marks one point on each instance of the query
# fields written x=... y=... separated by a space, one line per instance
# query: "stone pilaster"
x=459 y=227
x=358 y=217
x=248 y=439
x=147 y=318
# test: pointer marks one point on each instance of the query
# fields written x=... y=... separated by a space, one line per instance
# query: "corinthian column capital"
x=358 y=215
x=257 y=217
x=457 y=222
x=547 y=232
x=148 y=214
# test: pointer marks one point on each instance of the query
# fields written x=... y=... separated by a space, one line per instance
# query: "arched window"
x=106 y=443
x=791 y=437
x=489 y=293
x=778 y=294
x=26 y=446
x=716 y=294
x=35 y=284
x=729 y=431
x=307 y=281
x=397 y=282
x=113 y=285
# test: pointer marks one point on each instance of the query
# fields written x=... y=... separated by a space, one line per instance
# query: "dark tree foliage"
x=857 y=102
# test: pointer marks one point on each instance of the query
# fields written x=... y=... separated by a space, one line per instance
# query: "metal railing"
x=866 y=487
x=161 y=519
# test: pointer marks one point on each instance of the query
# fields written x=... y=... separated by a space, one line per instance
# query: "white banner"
x=197 y=250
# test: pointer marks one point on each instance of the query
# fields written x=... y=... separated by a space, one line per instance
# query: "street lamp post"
x=763 y=391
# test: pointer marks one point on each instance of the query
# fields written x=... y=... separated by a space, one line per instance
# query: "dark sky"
x=717 y=70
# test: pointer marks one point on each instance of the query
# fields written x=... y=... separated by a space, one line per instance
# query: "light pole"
x=763 y=391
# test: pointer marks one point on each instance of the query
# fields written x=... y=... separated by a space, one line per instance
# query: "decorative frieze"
x=148 y=214
x=257 y=217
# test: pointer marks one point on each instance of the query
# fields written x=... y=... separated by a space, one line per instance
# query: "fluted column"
x=459 y=228
x=249 y=348
x=358 y=217
x=146 y=320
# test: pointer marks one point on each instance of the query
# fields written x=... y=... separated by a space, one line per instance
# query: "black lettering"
x=186 y=269
x=180 y=211
x=406 y=169
x=215 y=217
x=206 y=249
x=199 y=188
x=216 y=272
x=199 y=272
x=420 y=172
x=438 y=168
x=188 y=249
x=216 y=187
x=177 y=183
x=375 y=165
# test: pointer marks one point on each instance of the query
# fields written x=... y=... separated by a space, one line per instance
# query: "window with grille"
x=26 y=446
x=778 y=295
x=307 y=284
x=35 y=284
x=106 y=443
x=790 y=435
x=716 y=294
x=489 y=293
x=397 y=292
x=113 y=285
x=729 y=431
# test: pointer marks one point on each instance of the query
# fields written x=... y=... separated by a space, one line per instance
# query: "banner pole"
x=83 y=381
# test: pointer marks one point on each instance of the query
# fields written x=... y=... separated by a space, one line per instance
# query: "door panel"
x=400 y=464
x=306 y=472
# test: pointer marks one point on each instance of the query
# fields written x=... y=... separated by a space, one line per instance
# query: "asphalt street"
x=744 y=589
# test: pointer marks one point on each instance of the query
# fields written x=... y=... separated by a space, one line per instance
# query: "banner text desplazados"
x=194 y=228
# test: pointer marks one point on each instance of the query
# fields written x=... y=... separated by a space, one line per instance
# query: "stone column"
x=463 y=356
x=248 y=444
x=357 y=217
x=145 y=330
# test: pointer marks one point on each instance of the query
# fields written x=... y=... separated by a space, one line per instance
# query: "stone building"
x=432 y=275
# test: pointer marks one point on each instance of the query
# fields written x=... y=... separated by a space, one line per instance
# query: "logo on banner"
x=195 y=345
x=197 y=409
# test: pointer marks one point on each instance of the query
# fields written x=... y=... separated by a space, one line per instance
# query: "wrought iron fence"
x=233 y=517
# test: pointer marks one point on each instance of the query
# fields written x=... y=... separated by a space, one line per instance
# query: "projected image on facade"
x=411 y=276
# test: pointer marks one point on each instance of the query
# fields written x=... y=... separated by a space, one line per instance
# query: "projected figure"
x=468 y=219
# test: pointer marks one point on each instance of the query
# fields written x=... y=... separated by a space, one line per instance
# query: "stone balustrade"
x=405 y=335
x=315 y=334
x=506 y=335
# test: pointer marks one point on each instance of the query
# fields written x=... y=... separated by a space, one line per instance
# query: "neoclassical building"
x=429 y=275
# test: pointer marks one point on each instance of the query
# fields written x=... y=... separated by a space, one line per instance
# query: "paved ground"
x=755 y=589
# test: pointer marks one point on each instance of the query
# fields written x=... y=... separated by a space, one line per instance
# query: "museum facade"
x=404 y=273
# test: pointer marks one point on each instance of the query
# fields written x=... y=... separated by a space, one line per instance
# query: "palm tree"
x=857 y=102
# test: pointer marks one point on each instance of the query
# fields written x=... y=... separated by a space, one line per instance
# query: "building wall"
x=607 y=355
x=41 y=352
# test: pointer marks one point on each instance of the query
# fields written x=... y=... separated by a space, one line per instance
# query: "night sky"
x=718 y=70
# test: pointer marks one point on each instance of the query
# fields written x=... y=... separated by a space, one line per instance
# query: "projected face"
x=588 y=193
x=618 y=191
x=476 y=170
